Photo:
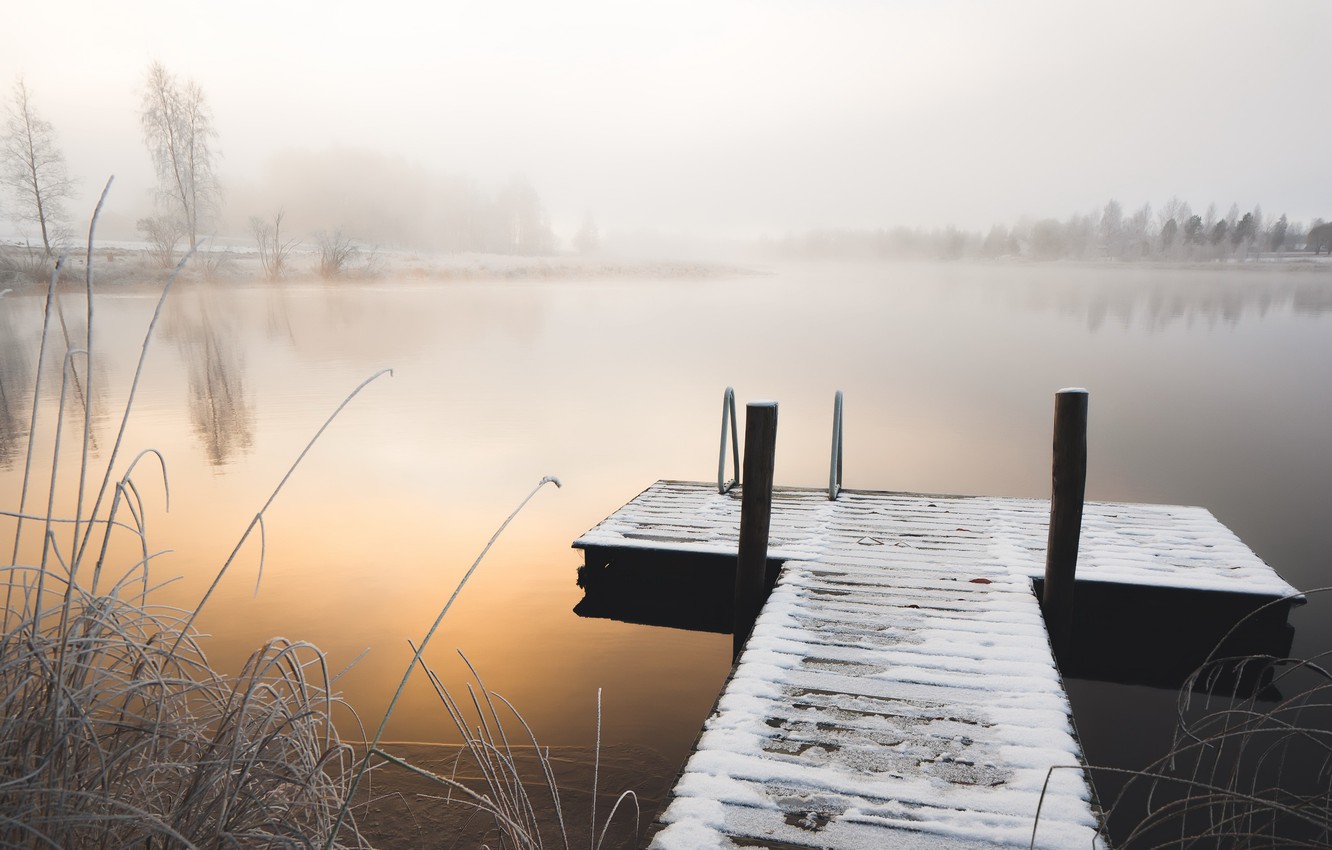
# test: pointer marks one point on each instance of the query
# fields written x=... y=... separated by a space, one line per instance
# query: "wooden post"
x=1069 y=482
x=755 y=516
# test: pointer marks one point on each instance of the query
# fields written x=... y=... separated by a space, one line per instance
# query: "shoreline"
x=128 y=265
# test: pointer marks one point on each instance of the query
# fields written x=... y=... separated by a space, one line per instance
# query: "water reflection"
x=219 y=406
x=1147 y=299
x=1253 y=748
x=277 y=316
x=20 y=340
x=677 y=590
x=84 y=372
x=613 y=384
x=15 y=386
x=1158 y=636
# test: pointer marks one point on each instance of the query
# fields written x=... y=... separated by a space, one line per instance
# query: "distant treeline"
x=1172 y=233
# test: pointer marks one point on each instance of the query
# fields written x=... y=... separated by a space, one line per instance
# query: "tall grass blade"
x=129 y=401
x=115 y=731
x=32 y=425
x=258 y=517
x=88 y=385
x=416 y=655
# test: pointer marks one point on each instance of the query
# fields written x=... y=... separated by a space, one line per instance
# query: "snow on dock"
x=1145 y=545
x=898 y=689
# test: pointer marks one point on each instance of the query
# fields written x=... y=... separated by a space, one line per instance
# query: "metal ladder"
x=729 y=419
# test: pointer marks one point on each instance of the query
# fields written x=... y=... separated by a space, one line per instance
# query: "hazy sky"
x=740 y=118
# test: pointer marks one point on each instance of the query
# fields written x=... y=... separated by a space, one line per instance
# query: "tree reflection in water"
x=15 y=388
x=1152 y=299
x=215 y=367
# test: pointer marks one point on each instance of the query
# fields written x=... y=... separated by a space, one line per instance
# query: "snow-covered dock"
x=898 y=689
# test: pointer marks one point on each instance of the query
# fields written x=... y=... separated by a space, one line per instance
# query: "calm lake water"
x=1208 y=387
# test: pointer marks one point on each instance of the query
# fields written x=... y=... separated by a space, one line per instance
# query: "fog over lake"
x=1205 y=390
x=716 y=119
x=567 y=228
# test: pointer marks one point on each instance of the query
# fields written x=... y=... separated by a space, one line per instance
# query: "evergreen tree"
x=1193 y=230
x=1169 y=231
x=1244 y=231
x=1278 y=237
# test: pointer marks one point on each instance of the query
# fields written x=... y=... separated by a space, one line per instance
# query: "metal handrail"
x=728 y=415
x=835 y=465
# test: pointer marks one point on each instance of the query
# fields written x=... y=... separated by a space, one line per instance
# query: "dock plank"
x=898 y=689
x=941 y=738
x=1157 y=545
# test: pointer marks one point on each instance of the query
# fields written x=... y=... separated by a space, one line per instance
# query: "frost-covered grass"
x=23 y=265
x=132 y=264
x=115 y=730
x=517 y=818
x=1249 y=766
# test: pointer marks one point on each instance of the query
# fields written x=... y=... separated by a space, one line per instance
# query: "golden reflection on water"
x=948 y=374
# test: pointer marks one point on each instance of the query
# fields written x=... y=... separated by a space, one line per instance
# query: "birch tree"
x=178 y=130
x=32 y=168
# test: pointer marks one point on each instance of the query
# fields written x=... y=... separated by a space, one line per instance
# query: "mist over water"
x=1202 y=392
x=569 y=226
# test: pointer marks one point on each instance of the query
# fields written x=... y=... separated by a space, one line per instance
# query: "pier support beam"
x=1068 y=487
x=755 y=516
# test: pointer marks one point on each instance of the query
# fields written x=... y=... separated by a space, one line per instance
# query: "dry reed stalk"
x=1250 y=765
x=114 y=729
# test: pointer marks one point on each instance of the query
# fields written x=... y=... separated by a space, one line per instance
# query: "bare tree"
x=162 y=233
x=1174 y=217
x=273 y=251
x=178 y=130
x=32 y=167
x=1175 y=209
x=1136 y=229
x=336 y=252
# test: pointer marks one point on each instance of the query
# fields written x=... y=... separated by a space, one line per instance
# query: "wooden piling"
x=755 y=516
x=1068 y=487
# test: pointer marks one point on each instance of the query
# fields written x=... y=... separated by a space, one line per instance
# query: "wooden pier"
x=898 y=688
